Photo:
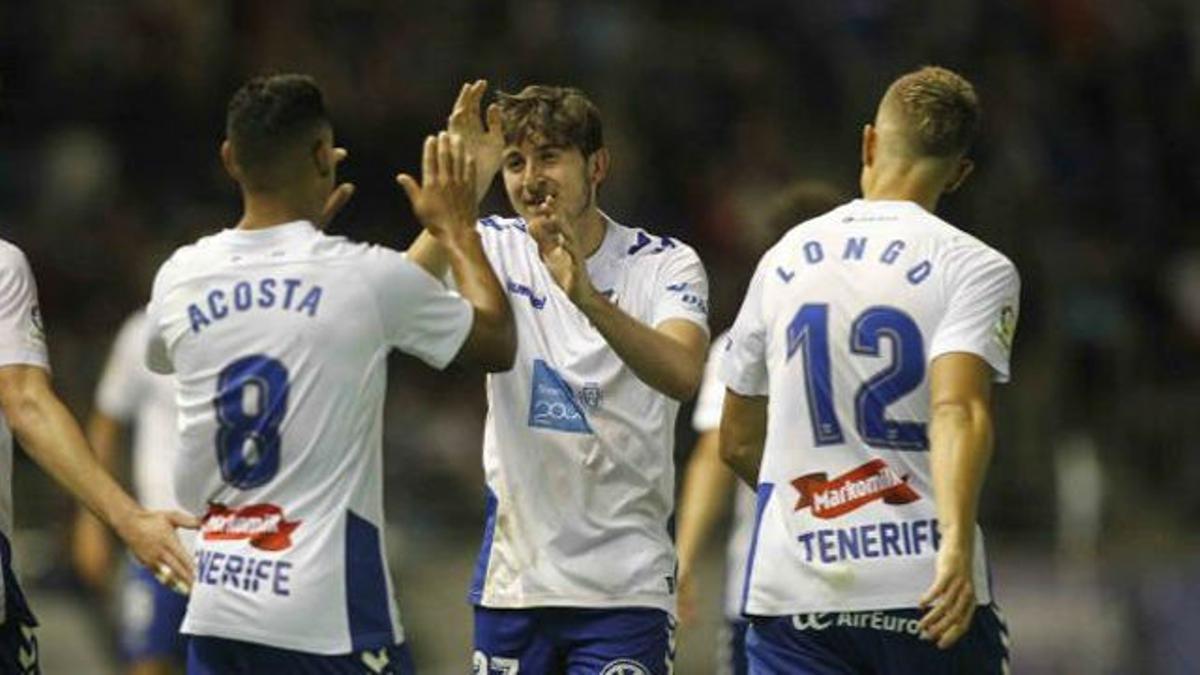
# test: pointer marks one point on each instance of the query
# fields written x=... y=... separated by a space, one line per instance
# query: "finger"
x=179 y=559
x=429 y=163
x=457 y=163
x=937 y=588
x=336 y=201
x=959 y=629
x=948 y=610
x=184 y=520
x=410 y=186
x=493 y=119
x=470 y=168
x=340 y=155
x=445 y=166
x=460 y=103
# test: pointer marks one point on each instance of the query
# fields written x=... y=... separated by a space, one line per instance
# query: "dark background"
x=111 y=114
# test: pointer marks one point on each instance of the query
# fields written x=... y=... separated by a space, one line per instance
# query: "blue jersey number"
x=808 y=333
x=251 y=402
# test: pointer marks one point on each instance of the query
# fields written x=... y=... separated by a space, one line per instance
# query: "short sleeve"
x=744 y=349
x=981 y=316
x=420 y=316
x=682 y=291
x=123 y=382
x=157 y=358
x=706 y=416
x=22 y=337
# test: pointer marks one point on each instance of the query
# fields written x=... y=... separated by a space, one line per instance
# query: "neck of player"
x=917 y=182
x=261 y=210
x=592 y=226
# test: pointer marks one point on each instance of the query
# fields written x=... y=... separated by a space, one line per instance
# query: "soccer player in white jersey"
x=859 y=375
x=278 y=336
x=129 y=394
x=576 y=573
x=709 y=487
x=33 y=413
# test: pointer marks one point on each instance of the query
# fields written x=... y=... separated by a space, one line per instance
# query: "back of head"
x=932 y=112
x=272 y=123
x=557 y=116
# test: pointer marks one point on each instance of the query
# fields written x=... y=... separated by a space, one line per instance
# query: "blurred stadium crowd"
x=1087 y=177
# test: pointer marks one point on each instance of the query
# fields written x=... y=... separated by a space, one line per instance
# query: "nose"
x=531 y=177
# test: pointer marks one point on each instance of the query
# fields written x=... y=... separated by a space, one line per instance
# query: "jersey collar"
x=267 y=236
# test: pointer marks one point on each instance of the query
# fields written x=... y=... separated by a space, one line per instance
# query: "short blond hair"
x=938 y=111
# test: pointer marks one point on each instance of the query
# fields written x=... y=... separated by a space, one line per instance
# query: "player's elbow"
x=495 y=343
x=21 y=395
x=964 y=413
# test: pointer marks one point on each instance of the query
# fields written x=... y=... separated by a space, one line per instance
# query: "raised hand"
x=485 y=143
x=444 y=200
x=558 y=244
x=150 y=536
x=339 y=196
x=951 y=599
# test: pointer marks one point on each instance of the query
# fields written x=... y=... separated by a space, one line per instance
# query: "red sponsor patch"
x=263 y=525
x=853 y=489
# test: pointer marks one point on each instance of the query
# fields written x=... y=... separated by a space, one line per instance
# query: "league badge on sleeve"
x=1006 y=327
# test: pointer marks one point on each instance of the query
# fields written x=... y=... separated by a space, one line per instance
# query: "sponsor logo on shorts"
x=880 y=621
x=624 y=667
x=263 y=525
x=854 y=489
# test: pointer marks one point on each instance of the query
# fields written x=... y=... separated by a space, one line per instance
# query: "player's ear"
x=964 y=169
x=598 y=164
x=869 y=139
x=229 y=161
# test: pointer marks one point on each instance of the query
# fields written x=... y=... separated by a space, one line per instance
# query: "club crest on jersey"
x=1006 y=327
x=264 y=525
x=852 y=490
x=552 y=404
x=591 y=395
x=624 y=667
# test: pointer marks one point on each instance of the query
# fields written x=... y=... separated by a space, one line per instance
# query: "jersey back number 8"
x=251 y=402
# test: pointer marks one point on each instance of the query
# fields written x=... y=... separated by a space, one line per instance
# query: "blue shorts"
x=573 y=641
x=219 y=656
x=150 y=617
x=882 y=642
x=18 y=648
x=731 y=654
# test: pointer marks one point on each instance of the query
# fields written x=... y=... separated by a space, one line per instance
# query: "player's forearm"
x=492 y=342
x=660 y=360
x=960 y=435
x=743 y=435
x=50 y=435
x=429 y=253
x=104 y=437
x=703 y=499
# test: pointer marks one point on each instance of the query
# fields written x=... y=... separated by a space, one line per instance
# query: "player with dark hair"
x=278 y=336
x=859 y=378
x=576 y=573
x=709 y=488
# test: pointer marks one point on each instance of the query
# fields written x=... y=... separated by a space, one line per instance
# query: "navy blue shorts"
x=150 y=617
x=219 y=656
x=573 y=641
x=881 y=643
x=18 y=648
x=731 y=655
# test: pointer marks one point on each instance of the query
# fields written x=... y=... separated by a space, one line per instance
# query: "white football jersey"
x=577 y=451
x=278 y=339
x=706 y=416
x=130 y=393
x=22 y=342
x=839 y=326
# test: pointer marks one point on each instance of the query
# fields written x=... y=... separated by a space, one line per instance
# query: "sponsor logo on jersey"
x=852 y=490
x=263 y=525
x=624 y=667
x=689 y=298
x=552 y=404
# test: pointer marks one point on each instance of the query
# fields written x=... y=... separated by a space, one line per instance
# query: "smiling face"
x=535 y=169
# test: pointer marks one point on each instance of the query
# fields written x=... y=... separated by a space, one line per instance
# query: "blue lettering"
x=937 y=534
x=241 y=296
x=806 y=539
x=855 y=248
x=870 y=541
x=214 y=568
x=262 y=572
x=310 y=301
x=232 y=567
x=919 y=535
x=216 y=304
x=848 y=543
x=892 y=252
x=201 y=564
x=291 y=288
x=813 y=252
x=825 y=544
x=197 y=318
x=906 y=529
x=919 y=273
x=280 y=584
x=266 y=290
x=889 y=537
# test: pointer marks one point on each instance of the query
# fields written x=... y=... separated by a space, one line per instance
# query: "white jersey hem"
x=665 y=603
x=870 y=604
x=303 y=644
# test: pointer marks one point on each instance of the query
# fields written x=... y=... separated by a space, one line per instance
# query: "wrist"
x=457 y=238
x=956 y=536
x=587 y=298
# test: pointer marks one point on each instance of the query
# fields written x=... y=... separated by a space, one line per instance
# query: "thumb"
x=410 y=186
x=184 y=520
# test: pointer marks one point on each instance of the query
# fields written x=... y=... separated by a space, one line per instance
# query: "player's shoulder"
x=795 y=236
x=961 y=248
x=11 y=256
